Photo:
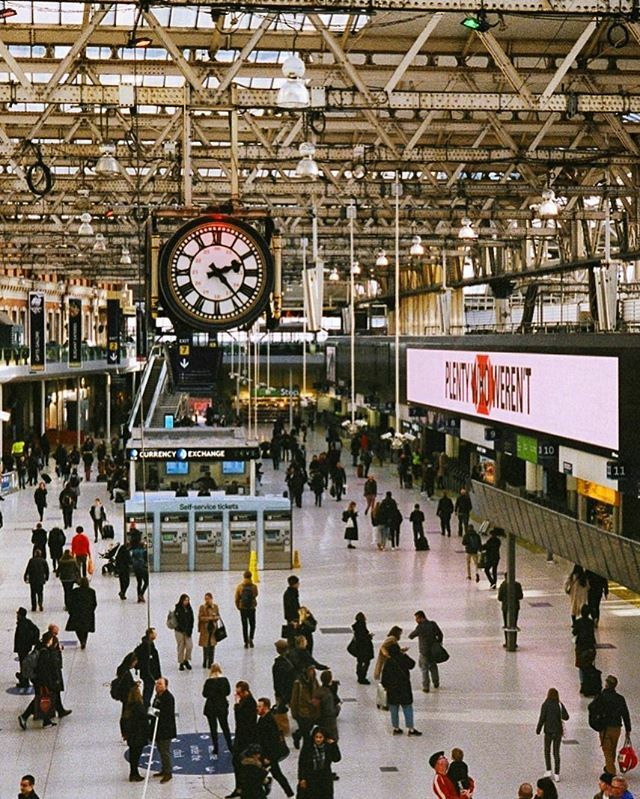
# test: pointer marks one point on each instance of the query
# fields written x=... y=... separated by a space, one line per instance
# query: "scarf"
x=318 y=757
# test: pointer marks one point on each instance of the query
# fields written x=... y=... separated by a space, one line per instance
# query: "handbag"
x=44 y=704
x=627 y=757
x=282 y=720
x=332 y=490
x=438 y=653
x=90 y=566
x=220 y=633
x=352 y=648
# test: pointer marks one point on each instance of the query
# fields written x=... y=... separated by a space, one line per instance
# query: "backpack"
x=116 y=689
x=29 y=664
x=172 y=620
x=246 y=597
x=597 y=714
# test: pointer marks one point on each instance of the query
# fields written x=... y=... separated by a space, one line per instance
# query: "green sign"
x=527 y=448
x=277 y=392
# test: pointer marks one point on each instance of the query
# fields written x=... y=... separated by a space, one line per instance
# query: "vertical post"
x=43 y=407
x=233 y=134
x=108 y=409
x=78 y=414
x=256 y=378
x=290 y=399
x=268 y=360
x=351 y=215
x=511 y=632
x=252 y=478
x=396 y=306
x=304 y=242
x=186 y=149
x=1 y=424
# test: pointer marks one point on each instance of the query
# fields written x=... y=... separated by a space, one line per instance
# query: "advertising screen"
x=232 y=467
x=177 y=467
x=570 y=396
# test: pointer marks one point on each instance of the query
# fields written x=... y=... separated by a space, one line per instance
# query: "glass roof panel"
x=70 y=13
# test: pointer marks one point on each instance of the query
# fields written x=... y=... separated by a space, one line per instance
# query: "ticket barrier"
x=174 y=542
x=242 y=538
x=208 y=541
x=277 y=539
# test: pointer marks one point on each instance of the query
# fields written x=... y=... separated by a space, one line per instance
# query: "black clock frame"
x=176 y=311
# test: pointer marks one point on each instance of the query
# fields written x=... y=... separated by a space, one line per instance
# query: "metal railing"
x=59 y=353
x=613 y=556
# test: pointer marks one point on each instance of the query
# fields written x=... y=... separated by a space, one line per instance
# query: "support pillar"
x=108 y=409
x=534 y=475
x=1 y=422
x=78 y=414
x=451 y=446
x=511 y=631
x=43 y=407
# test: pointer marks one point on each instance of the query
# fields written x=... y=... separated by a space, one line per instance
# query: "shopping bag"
x=627 y=757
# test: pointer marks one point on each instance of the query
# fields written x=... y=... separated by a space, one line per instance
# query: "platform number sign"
x=616 y=470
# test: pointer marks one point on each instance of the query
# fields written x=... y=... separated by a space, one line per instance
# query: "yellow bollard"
x=296 y=560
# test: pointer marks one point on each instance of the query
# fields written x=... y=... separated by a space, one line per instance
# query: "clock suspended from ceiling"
x=215 y=273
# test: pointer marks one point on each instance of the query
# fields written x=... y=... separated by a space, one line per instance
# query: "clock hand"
x=235 y=266
x=223 y=279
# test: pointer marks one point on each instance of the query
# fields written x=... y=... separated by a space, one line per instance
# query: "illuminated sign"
x=189 y=454
x=571 y=396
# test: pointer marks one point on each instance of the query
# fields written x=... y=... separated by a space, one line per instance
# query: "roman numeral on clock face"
x=245 y=291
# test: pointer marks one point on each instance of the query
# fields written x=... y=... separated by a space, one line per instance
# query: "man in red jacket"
x=81 y=549
x=443 y=786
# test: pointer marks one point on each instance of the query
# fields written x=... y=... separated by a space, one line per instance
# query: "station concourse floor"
x=487 y=703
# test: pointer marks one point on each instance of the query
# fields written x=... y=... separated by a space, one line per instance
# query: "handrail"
x=135 y=406
x=612 y=556
x=156 y=394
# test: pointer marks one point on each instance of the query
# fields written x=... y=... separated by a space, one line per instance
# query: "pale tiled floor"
x=487 y=704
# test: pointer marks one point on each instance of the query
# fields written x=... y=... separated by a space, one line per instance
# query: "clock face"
x=215 y=273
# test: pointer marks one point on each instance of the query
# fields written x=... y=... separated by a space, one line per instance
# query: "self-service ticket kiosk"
x=144 y=524
x=174 y=542
x=277 y=539
x=208 y=540
x=242 y=537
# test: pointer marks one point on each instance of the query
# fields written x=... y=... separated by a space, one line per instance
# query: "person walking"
x=577 y=589
x=46 y=683
x=56 y=542
x=370 y=493
x=39 y=539
x=208 y=618
x=463 y=508
x=315 y=777
x=304 y=709
x=273 y=746
x=338 y=481
x=361 y=647
x=503 y=599
x=245 y=712
x=122 y=564
x=491 y=549
x=67 y=502
x=216 y=691
x=125 y=677
x=283 y=674
x=148 y=663
x=585 y=644
x=472 y=543
x=82 y=611
x=164 y=705
x=316 y=483
x=385 y=515
x=246 y=601
x=140 y=564
x=183 y=631
x=81 y=549
x=552 y=714
x=417 y=526
x=36 y=574
x=291 y=600
x=329 y=704
x=444 y=511
x=99 y=517
x=613 y=709
x=68 y=574
x=40 y=499
x=25 y=637
x=350 y=519
x=136 y=731
x=427 y=632
x=396 y=679
x=598 y=587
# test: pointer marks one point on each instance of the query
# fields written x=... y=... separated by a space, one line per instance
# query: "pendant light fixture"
x=417 y=247
x=107 y=163
x=293 y=94
x=85 y=228
x=381 y=258
x=548 y=208
x=466 y=232
x=307 y=167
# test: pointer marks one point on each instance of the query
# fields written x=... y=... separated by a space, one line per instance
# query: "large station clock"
x=215 y=273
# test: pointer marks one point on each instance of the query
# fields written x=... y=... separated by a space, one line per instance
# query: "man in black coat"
x=57 y=540
x=164 y=706
x=291 y=599
x=284 y=675
x=427 y=632
x=39 y=539
x=122 y=564
x=445 y=512
x=614 y=706
x=27 y=790
x=245 y=710
x=272 y=743
x=148 y=663
x=25 y=638
x=36 y=574
x=463 y=509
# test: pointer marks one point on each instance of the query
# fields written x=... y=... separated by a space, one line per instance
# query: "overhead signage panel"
x=571 y=396
x=193 y=454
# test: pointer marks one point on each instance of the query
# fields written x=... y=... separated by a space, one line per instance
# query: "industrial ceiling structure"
x=529 y=99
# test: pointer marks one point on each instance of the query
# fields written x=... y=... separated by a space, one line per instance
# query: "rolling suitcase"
x=591 y=681
x=360 y=470
x=107 y=531
x=422 y=544
x=45 y=478
x=381 y=697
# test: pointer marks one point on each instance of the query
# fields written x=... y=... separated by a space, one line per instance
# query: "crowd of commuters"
x=254 y=728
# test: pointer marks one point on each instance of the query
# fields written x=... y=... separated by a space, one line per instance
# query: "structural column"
x=108 y=409
x=43 y=407
x=78 y=414
x=511 y=631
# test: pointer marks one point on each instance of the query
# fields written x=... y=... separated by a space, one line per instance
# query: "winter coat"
x=350 y=518
x=68 y=570
x=25 y=637
x=246 y=717
x=578 y=594
x=238 y=595
x=135 y=725
x=37 y=571
x=291 y=603
x=185 y=618
x=552 y=714
x=363 y=642
x=40 y=497
x=57 y=540
x=148 y=660
x=207 y=622
x=397 y=680
x=251 y=779
x=328 y=711
x=269 y=737
x=319 y=780
x=382 y=656
x=284 y=674
x=216 y=691
x=491 y=549
x=302 y=700
x=82 y=607
x=166 y=704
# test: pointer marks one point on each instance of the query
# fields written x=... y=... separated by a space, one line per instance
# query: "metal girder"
x=568 y=61
x=412 y=52
x=505 y=65
x=557 y=8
